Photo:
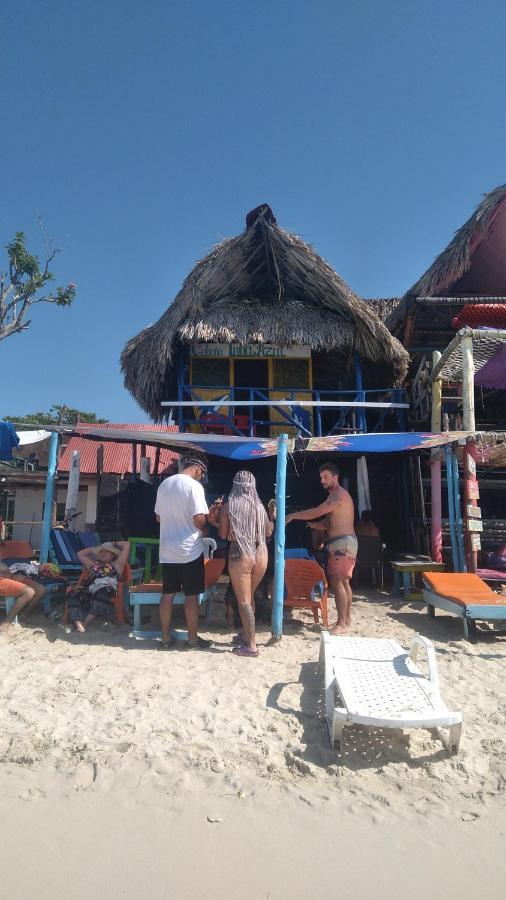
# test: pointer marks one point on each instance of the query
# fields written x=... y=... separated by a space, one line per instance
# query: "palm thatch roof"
x=453 y=263
x=264 y=286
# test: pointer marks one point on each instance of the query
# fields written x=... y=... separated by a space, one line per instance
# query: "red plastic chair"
x=125 y=578
x=302 y=576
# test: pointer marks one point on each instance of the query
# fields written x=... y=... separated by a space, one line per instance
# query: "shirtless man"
x=340 y=540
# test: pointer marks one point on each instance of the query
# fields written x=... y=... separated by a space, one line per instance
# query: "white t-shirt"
x=179 y=498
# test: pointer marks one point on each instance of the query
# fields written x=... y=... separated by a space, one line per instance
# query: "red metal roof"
x=117 y=457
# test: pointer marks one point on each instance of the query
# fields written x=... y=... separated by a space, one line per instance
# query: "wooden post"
x=279 y=540
x=157 y=461
x=468 y=382
x=48 y=501
x=436 y=527
x=451 y=507
x=471 y=499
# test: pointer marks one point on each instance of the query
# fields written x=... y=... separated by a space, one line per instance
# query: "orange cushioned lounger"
x=464 y=594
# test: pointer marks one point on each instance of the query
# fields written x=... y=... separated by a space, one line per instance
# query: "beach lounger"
x=463 y=594
x=377 y=683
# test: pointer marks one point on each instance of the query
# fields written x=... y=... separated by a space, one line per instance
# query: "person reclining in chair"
x=104 y=565
x=340 y=540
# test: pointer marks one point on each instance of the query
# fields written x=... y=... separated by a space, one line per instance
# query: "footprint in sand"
x=32 y=794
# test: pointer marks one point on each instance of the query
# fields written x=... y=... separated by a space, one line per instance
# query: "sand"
x=126 y=771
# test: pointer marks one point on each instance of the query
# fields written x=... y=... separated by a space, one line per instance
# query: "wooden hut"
x=266 y=336
x=471 y=271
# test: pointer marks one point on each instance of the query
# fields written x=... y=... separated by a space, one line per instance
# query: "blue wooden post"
x=316 y=395
x=279 y=539
x=181 y=365
x=451 y=507
x=251 y=421
x=359 y=387
x=459 y=524
x=48 y=501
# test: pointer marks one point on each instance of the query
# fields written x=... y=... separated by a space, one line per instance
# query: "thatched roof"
x=264 y=286
x=453 y=263
x=383 y=306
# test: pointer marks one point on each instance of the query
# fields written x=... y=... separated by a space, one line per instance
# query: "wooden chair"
x=302 y=577
x=118 y=598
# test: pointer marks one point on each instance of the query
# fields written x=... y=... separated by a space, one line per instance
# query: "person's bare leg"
x=89 y=619
x=39 y=592
x=241 y=576
x=23 y=599
x=166 y=616
x=191 y=613
x=337 y=585
x=349 y=593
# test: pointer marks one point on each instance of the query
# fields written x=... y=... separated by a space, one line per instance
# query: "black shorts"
x=186 y=577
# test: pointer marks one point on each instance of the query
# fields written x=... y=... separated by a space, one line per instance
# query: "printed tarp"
x=243 y=448
x=382 y=443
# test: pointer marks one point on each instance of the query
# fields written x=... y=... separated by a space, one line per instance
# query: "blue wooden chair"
x=150 y=594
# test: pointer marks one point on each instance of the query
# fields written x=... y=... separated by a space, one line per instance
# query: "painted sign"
x=251 y=351
x=472 y=489
x=474 y=512
x=474 y=525
x=470 y=465
x=475 y=542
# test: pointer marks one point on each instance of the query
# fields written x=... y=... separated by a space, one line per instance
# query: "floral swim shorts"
x=342 y=555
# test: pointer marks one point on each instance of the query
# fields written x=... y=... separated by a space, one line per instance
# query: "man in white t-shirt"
x=181 y=510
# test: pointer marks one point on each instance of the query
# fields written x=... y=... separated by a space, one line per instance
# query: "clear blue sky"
x=144 y=131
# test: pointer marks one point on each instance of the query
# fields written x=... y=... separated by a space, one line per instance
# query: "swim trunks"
x=342 y=555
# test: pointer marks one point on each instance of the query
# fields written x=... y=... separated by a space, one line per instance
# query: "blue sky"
x=144 y=131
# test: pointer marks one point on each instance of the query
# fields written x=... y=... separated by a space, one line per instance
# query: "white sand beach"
x=125 y=771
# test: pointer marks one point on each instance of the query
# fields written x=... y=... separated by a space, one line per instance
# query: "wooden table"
x=407 y=568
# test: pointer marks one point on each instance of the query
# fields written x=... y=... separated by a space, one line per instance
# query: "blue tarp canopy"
x=8 y=440
x=244 y=448
x=382 y=443
x=231 y=447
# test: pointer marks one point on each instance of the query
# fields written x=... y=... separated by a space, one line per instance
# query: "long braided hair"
x=246 y=514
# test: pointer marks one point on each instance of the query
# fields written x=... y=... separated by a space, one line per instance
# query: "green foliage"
x=57 y=415
x=26 y=283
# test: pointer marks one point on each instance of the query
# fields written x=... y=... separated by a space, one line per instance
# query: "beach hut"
x=453 y=322
x=264 y=336
x=470 y=272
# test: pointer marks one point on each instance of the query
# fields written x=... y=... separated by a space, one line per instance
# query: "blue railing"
x=332 y=411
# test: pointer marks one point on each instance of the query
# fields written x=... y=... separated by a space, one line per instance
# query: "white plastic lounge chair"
x=378 y=684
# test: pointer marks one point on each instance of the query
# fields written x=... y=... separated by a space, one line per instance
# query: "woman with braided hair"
x=243 y=521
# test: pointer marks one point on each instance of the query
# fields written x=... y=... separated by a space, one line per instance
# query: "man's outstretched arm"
x=305 y=515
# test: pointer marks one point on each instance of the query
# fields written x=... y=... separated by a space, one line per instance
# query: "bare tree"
x=27 y=282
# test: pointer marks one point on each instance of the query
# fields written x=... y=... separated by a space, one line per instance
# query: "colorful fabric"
x=493 y=315
x=493 y=373
x=341 y=555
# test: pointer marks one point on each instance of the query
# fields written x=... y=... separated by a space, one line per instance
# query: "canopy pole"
x=451 y=507
x=436 y=520
x=279 y=540
x=359 y=387
x=48 y=500
x=468 y=382
x=459 y=525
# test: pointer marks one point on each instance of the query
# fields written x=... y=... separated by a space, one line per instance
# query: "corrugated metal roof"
x=117 y=457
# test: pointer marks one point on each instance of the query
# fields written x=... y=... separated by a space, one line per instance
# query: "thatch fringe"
x=455 y=260
x=264 y=286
